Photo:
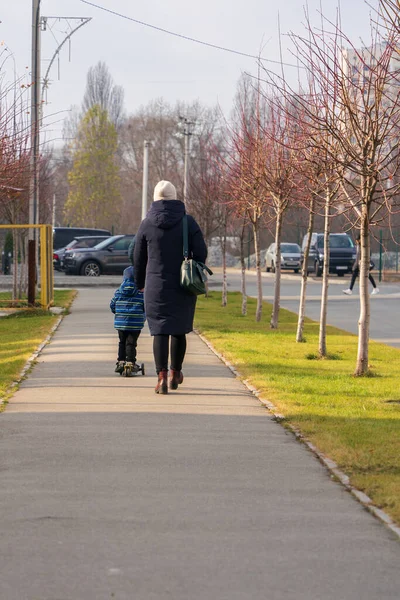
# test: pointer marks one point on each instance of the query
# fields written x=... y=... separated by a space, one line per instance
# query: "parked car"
x=62 y=236
x=109 y=257
x=78 y=242
x=291 y=257
x=342 y=253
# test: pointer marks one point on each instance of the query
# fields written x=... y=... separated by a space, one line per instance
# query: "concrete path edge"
x=329 y=464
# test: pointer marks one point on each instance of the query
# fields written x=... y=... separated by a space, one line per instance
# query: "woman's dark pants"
x=161 y=351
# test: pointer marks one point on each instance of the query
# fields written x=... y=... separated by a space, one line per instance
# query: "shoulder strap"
x=185 y=237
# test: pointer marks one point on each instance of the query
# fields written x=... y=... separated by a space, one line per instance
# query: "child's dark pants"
x=127 y=344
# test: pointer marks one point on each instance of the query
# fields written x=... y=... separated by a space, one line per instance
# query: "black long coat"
x=157 y=259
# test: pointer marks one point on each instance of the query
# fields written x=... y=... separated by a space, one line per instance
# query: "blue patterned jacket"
x=127 y=304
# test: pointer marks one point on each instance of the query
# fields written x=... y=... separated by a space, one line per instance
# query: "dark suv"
x=78 y=242
x=342 y=253
x=62 y=236
x=108 y=257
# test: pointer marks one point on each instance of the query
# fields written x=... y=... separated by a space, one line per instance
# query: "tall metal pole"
x=146 y=145
x=186 y=167
x=34 y=183
x=53 y=220
x=35 y=116
x=187 y=133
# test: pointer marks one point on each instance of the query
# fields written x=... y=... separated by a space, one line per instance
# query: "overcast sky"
x=151 y=64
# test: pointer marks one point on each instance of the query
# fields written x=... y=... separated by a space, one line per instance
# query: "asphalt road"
x=343 y=311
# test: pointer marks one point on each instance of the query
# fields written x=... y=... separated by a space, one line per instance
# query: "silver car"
x=291 y=257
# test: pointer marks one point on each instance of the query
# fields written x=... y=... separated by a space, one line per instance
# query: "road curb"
x=330 y=464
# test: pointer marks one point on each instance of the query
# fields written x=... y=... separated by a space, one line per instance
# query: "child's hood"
x=129 y=273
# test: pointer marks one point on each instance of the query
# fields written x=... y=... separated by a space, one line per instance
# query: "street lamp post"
x=34 y=178
x=36 y=102
x=146 y=145
x=186 y=167
x=187 y=133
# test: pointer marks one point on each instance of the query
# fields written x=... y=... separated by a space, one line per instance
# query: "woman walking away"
x=356 y=272
x=158 y=257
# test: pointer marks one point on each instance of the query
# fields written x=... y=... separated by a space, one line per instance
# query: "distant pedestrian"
x=128 y=307
x=356 y=272
x=158 y=257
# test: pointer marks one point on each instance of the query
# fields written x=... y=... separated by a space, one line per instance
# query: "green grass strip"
x=355 y=421
x=62 y=298
x=20 y=335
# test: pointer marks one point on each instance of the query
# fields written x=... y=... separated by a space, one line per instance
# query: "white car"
x=291 y=257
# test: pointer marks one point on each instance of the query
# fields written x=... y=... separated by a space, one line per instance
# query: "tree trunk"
x=364 y=319
x=21 y=265
x=224 y=279
x=258 y=269
x=277 y=291
x=322 y=351
x=23 y=278
x=15 y=264
x=304 y=274
x=243 y=274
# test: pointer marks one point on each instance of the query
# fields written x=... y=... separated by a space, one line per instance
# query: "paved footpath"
x=110 y=491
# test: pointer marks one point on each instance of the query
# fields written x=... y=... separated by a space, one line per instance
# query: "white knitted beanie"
x=164 y=190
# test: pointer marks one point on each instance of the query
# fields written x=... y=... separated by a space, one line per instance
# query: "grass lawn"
x=62 y=298
x=20 y=335
x=355 y=421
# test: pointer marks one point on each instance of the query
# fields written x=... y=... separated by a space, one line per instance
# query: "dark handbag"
x=193 y=272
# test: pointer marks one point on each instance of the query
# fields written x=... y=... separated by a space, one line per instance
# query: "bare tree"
x=242 y=232
x=158 y=123
x=209 y=189
x=330 y=190
x=279 y=178
x=388 y=12
x=14 y=167
x=206 y=191
x=360 y=111
x=304 y=270
x=247 y=163
x=101 y=91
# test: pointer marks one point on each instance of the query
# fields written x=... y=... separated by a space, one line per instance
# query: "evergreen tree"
x=94 y=185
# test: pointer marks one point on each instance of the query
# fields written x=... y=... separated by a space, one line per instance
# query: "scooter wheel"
x=142 y=369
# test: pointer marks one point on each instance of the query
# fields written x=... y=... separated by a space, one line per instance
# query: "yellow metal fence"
x=45 y=261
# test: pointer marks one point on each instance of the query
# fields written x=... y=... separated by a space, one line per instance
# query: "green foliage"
x=355 y=421
x=94 y=183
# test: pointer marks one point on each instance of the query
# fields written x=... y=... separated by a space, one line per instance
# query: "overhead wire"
x=185 y=37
